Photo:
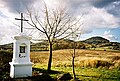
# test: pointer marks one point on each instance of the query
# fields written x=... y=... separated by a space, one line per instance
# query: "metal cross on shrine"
x=22 y=19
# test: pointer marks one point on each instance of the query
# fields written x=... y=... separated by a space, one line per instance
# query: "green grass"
x=86 y=74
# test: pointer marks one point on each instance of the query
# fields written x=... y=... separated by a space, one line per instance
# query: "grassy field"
x=90 y=65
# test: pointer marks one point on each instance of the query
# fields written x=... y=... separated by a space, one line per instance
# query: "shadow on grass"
x=43 y=75
x=38 y=75
x=46 y=72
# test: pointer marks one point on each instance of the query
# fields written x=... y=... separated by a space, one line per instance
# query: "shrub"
x=115 y=58
x=5 y=58
x=116 y=64
x=94 y=63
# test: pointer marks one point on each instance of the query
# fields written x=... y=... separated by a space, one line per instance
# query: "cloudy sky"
x=100 y=17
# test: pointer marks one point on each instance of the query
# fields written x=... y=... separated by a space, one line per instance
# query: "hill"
x=96 y=40
x=102 y=43
x=91 y=43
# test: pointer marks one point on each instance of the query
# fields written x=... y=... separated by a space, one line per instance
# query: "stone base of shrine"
x=18 y=70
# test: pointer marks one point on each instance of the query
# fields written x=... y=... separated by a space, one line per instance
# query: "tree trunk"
x=73 y=66
x=50 y=58
x=74 y=76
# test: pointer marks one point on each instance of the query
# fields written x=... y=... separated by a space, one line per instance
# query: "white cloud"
x=7 y=28
x=93 y=17
x=99 y=18
x=109 y=36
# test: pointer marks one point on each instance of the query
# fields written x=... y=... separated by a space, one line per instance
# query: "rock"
x=65 y=76
x=43 y=77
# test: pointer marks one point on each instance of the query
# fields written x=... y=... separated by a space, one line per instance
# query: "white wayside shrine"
x=21 y=65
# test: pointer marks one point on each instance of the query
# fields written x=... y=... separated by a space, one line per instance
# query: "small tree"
x=53 y=24
x=74 y=36
x=73 y=59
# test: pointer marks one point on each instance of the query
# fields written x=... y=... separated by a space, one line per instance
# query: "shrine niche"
x=23 y=48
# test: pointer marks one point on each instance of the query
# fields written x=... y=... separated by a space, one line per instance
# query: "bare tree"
x=73 y=59
x=73 y=51
x=54 y=24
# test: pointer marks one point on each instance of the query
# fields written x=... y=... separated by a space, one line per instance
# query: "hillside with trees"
x=100 y=42
x=90 y=43
x=96 y=40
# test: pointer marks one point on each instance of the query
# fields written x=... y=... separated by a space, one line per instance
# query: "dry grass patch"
x=94 y=63
x=84 y=58
x=39 y=57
